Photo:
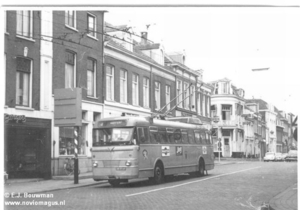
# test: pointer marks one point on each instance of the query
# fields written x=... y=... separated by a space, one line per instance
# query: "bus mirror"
x=134 y=141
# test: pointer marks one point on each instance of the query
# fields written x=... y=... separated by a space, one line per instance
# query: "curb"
x=272 y=200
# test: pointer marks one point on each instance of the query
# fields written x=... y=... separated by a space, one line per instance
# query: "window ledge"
x=92 y=37
x=6 y=33
x=24 y=108
x=92 y=97
x=26 y=38
x=72 y=28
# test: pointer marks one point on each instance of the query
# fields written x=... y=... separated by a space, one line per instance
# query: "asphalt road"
x=234 y=186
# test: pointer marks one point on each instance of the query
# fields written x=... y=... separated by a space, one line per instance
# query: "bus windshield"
x=112 y=136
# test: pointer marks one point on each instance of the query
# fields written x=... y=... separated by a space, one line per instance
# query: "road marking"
x=164 y=188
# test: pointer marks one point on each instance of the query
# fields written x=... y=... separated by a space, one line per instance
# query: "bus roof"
x=143 y=121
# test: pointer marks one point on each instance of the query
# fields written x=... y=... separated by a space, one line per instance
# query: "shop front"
x=27 y=147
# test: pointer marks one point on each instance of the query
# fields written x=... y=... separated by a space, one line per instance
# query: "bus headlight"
x=128 y=163
x=95 y=164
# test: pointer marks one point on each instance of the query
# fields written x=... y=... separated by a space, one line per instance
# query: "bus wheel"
x=158 y=174
x=114 y=183
x=201 y=168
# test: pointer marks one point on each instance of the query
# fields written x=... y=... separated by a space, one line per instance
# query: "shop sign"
x=16 y=118
x=67 y=107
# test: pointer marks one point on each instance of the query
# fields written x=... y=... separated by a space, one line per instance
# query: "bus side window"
x=203 y=138
x=197 y=137
x=209 y=138
x=191 y=136
x=154 y=134
x=143 y=135
x=177 y=136
x=170 y=135
x=162 y=135
x=184 y=136
x=154 y=137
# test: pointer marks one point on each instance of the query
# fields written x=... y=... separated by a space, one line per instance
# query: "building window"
x=199 y=103
x=91 y=77
x=226 y=112
x=23 y=81
x=213 y=109
x=193 y=98
x=92 y=25
x=168 y=97
x=207 y=106
x=123 y=86
x=203 y=104
x=224 y=87
x=146 y=92
x=24 y=23
x=179 y=93
x=157 y=95
x=70 y=18
x=110 y=83
x=66 y=140
x=186 y=96
x=135 y=89
x=69 y=70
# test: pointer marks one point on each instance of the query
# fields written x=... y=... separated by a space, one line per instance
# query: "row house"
x=193 y=96
x=259 y=130
x=78 y=63
x=44 y=51
x=27 y=114
x=137 y=82
x=227 y=105
x=269 y=115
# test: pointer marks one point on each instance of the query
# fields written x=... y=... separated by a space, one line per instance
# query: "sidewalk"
x=287 y=200
x=40 y=186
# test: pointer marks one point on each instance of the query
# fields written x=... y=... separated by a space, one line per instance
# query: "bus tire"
x=158 y=174
x=114 y=183
x=201 y=169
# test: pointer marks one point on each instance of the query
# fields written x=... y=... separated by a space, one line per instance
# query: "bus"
x=142 y=147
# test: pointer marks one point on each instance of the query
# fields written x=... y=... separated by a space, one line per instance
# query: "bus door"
x=145 y=149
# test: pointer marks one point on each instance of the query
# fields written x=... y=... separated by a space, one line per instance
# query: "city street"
x=244 y=185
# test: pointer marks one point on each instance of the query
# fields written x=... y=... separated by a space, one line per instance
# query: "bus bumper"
x=104 y=173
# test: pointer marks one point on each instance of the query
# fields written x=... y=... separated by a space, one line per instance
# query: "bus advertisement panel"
x=142 y=147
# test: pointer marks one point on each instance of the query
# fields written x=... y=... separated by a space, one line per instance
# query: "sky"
x=229 y=42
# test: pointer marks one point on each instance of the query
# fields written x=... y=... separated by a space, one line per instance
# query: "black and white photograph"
x=150 y=105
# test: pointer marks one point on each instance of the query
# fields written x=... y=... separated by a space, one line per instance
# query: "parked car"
x=284 y=155
x=270 y=156
x=278 y=157
x=292 y=156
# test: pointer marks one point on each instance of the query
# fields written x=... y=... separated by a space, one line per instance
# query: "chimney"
x=144 y=38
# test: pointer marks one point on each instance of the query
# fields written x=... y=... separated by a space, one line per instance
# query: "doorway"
x=226 y=147
x=25 y=152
